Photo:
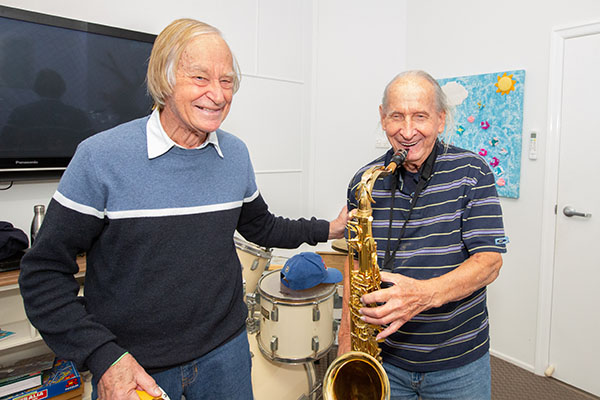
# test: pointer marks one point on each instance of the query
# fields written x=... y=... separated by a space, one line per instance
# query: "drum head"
x=340 y=245
x=251 y=248
x=270 y=286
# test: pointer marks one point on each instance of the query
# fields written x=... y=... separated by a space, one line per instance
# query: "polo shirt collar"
x=158 y=142
x=387 y=180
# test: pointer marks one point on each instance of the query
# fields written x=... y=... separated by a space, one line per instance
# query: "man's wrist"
x=433 y=294
x=119 y=359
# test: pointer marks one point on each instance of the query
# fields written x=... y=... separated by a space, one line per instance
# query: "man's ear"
x=443 y=124
x=382 y=116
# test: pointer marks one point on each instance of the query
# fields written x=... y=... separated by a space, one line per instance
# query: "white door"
x=575 y=323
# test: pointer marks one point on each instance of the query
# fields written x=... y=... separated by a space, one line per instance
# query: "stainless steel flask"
x=39 y=211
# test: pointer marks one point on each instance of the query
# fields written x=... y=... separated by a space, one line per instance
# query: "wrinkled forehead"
x=413 y=86
x=206 y=52
x=411 y=90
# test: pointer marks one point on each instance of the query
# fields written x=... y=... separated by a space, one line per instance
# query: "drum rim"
x=292 y=361
x=294 y=302
x=252 y=248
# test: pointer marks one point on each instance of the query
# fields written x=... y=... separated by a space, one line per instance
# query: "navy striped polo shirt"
x=456 y=215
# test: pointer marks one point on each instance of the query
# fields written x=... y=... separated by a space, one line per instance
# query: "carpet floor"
x=510 y=382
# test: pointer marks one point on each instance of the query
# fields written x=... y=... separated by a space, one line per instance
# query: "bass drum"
x=271 y=380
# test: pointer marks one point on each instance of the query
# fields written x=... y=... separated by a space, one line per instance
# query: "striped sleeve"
x=483 y=229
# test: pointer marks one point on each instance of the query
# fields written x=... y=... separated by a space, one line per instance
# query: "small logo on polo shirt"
x=502 y=240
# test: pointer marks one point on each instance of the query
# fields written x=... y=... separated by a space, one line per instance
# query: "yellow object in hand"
x=145 y=396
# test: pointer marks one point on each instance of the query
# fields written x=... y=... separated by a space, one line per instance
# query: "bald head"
x=440 y=101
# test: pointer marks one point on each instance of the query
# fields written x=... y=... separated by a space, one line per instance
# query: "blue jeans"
x=469 y=382
x=224 y=373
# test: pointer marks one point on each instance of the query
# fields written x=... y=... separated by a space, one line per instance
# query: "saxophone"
x=359 y=374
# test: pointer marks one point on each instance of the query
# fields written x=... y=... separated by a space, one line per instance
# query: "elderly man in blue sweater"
x=154 y=203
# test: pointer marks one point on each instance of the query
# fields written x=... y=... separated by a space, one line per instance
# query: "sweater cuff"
x=103 y=357
x=322 y=230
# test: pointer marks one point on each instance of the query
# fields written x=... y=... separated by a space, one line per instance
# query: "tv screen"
x=61 y=81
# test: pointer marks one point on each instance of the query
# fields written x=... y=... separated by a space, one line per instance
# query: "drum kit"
x=288 y=330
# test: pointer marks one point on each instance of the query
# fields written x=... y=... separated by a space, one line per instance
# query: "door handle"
x=571 y=212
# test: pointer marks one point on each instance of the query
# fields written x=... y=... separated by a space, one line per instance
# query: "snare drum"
x=254 y=259
x=296 y=326
x=272 y=380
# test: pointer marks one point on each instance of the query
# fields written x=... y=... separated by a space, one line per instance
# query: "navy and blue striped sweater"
x=163 y=279
x=456 y=215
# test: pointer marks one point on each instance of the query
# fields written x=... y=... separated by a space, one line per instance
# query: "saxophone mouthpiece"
x=398 y=157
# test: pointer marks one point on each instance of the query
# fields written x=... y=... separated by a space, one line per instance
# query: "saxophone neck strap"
x=426 y=171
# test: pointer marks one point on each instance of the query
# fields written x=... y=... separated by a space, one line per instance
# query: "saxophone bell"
x=356 y=376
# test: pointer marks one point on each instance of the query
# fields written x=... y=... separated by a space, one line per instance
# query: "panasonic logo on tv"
x=32 y=162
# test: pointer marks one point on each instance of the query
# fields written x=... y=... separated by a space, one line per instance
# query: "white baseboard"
x=512 y=360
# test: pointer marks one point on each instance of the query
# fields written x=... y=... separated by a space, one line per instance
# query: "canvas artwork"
x=488 y=120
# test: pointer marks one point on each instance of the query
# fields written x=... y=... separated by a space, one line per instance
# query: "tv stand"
x=18 y=176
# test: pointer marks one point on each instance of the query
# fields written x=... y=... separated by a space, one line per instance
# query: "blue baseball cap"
x=306 y=270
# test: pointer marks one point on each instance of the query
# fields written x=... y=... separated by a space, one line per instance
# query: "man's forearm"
x=477 y=271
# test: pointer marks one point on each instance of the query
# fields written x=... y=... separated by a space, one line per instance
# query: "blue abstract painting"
x=488 y=120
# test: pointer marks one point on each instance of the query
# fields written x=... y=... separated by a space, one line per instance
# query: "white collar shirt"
x=159 y=142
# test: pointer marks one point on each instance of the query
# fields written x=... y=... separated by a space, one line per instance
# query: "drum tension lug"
x=316 y=312
x=274 y=344
x=254 y=265
x=315 y=344
x=275 y=313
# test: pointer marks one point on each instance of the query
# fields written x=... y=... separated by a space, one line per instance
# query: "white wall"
x=358 y=48
x=463 y=37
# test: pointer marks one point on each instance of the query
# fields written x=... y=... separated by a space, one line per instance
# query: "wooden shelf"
x=10 y=279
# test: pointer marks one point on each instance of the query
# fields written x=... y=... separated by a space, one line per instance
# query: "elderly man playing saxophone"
x=438 y=227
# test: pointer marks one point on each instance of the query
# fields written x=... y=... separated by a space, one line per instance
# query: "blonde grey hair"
x=166 y=52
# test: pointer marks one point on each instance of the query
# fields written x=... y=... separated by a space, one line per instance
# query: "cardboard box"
x=61 y=379
x=75 y=394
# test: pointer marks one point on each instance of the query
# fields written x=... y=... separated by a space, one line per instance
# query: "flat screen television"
x=62 y=80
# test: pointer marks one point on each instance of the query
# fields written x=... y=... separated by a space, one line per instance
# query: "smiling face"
x=411 y=119
x=202 y=93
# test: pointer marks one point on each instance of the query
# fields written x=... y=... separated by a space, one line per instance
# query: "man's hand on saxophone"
x=403 y=300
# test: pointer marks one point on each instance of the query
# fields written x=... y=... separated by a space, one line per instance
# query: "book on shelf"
x=26 y=366
x=24 y=374
x=62 y=378
x=10 y=386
